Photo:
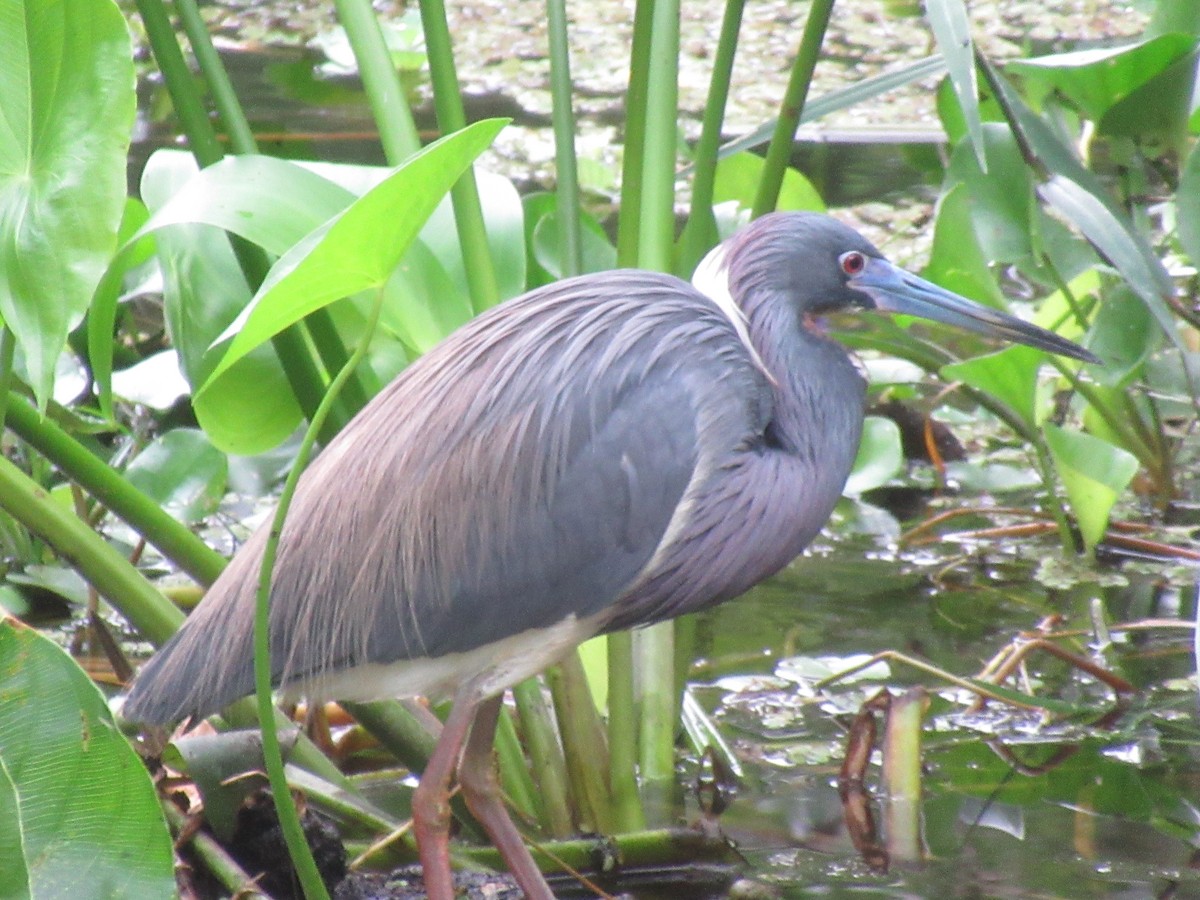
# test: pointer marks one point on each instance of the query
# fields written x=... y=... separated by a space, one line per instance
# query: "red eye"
x=853 y=262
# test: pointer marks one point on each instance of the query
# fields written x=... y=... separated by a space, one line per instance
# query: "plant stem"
x=780 y=150
x=545 y=758
x=104 y=568
x=700 y=233
x=656 y=219
x=397 y=131
x=468 y=211
x=567 y=174
x=289 y=821
x=172 y=538
x=622 y=734
x=229 y=108
x=632 y=174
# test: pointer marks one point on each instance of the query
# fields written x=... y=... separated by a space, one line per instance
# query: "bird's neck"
x=818 y=390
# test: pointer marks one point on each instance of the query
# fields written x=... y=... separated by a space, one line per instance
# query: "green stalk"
x=654 y=660
x=468 y=211
x=780 y=150
x=515 y=779
x=105 y=569
x=622 y=734
x=8 y=346
x=289 y=820
x=171 y=537
x=700 y=232
x=381 y=83
x=229 y=108
x=583 y=743
x=185 y=96
x=656 y=222
x=570 y=237
x=545 y=758
x=632 y=165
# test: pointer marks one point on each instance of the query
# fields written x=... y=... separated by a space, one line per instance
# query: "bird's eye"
x=853 y=262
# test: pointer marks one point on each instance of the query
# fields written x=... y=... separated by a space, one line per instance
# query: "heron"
x=605 y=452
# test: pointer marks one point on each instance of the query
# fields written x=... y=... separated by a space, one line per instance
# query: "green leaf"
x=66 y=112
x=1010 y=376
x=1002 y=197
x=1094 y=473
x=880 y=456
x=88 y=815
x=957 y=261
x=598 y=254
x=1120 y=245
x=952 y=31
x=738 y=176
x=252 y=408
x=358 y=249
x=270 y=202
x=183 y=472
x=1097 y=79
x=1123 y=336
x=1187 y=206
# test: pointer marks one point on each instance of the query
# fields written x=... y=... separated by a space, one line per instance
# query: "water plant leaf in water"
x=1094 y=473
x=358 y=249
x=84 y=814
x=183 y=472
x=68 y=72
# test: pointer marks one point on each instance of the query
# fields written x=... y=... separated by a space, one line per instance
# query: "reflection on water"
x=1016 y=803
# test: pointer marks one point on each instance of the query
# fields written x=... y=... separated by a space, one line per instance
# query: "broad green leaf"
x=957 y=261
x=598 y=254
x=1079 y=195
x=1010 y=376
x=1187 y=206
x=1122 y=335
x=252 y=408
x=1117 y=242
x=88 y=815
x=14 y=873
x=66 y=112
x=738 y=176
x=1096 y=79
x=952 y=31
x=270 y=202
x=880 y=456
x=1157 y=109
x=1002 y=198
x=183 y=472
x=1094 y=473
x=358 y=249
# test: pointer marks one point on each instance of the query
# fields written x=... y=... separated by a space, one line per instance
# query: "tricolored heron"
x=604 y=452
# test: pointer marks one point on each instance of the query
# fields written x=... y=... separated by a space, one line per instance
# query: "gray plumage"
x=607 y=448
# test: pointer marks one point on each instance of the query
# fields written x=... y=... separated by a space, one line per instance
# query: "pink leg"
x=481 y=791
x=431 y=800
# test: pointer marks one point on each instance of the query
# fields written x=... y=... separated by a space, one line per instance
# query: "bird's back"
x=525 y=470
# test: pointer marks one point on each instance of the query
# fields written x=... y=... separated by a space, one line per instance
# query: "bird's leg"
x=481 y=791
x=431 y=800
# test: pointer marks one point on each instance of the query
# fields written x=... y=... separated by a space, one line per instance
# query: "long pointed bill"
x=895 y=290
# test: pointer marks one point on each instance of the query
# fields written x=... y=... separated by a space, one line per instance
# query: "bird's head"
x=823 y=266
